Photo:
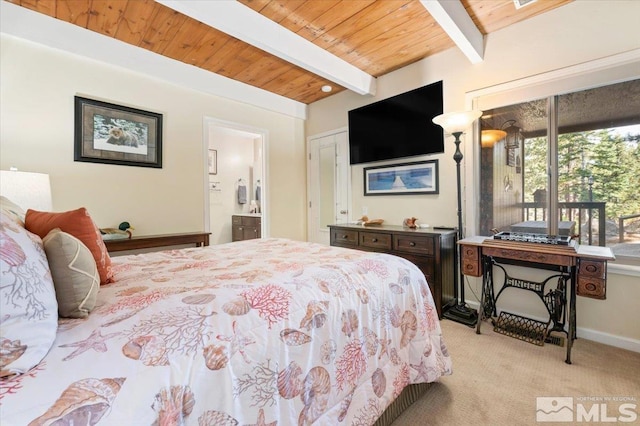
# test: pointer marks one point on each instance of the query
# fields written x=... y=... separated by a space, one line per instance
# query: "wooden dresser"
x=246 y=227
x=433 y=251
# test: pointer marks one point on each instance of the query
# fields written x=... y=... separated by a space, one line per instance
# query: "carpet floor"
x=499 y=380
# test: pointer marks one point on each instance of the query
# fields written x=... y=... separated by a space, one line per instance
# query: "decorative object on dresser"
x=116 y=134
x=456 y=123
x=410 y=222
x=246 y=227
x=365 y=221
x=430 y=250
x=123 y=231
x=580 y=271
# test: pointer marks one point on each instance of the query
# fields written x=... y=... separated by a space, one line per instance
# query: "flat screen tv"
x=397 y=127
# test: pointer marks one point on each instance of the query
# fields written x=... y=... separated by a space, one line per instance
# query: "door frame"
x=264 y=135
x=310 y=182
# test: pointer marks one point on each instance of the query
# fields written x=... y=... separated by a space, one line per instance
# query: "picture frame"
x=114 y=134
x=419 y=177
x=213 y=162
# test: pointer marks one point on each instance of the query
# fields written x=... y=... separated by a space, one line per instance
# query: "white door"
x=329 y=184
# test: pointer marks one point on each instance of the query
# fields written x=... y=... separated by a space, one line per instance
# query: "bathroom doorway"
x=236 y=178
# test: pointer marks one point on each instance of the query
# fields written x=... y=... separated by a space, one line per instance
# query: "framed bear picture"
x=115 y=134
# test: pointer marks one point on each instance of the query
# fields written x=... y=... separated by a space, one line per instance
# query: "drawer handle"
x=412 y=244
x=374 y=240
x=344 y=237
x=591 y=268
x=241 y=228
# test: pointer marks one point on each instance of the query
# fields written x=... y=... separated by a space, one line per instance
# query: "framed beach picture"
x=114 y=134
x=419 y=177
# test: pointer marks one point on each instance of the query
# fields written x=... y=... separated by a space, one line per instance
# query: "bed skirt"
x=408 y=396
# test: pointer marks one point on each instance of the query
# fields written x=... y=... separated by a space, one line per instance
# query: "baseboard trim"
x=589 y=334
x=609 y=339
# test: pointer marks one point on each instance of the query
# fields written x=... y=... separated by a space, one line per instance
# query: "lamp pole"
x=460 y=312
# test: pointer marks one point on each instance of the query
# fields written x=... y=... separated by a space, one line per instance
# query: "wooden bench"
x=199 y=239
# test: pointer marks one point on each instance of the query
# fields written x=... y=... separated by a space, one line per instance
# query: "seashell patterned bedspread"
x=269 y=332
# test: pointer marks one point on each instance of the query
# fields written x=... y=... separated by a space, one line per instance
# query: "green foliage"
x=612 y=160
x=535 y=166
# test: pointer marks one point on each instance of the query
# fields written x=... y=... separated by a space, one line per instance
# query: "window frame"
x=601 y=72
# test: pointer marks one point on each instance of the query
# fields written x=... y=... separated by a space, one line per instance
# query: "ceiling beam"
x=243 y=23
x=456 y=22
x=26 y=24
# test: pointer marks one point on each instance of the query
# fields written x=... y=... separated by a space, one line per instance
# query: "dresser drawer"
x=250 y=221
x=593 y=268
x=414 y=244
x=528 y=256
x=426 y=265
x=375 y=240
x=591 y=287
x=246 y=220
x=471 y=261
x=344 y=237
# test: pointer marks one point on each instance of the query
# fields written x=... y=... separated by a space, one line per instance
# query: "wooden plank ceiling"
x=376 y=36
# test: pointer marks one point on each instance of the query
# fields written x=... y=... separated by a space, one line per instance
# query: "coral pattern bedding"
x=266 y=332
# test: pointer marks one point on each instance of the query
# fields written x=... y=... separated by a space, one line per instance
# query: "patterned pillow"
x=12 y=210
x=79 y=224
x=75 y=274
x=29 y=311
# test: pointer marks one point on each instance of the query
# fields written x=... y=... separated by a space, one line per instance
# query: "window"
x=589 y=142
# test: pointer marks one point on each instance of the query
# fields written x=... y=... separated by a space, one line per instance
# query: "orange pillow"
x=79 y=224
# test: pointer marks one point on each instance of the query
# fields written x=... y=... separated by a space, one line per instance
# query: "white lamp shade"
x=27 y=190
x=453 y=122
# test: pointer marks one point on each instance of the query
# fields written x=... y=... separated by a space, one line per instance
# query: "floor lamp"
x=456 y=123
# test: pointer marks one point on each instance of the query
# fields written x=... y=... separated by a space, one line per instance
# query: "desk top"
x=393 y=228
x=572 y=250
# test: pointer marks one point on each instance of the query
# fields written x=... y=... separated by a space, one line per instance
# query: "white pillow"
x=28 y=307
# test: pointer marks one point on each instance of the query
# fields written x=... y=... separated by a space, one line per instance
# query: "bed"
x=266 y=332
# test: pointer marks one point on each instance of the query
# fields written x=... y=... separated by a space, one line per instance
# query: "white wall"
x=36 y=134
x=576 y=33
